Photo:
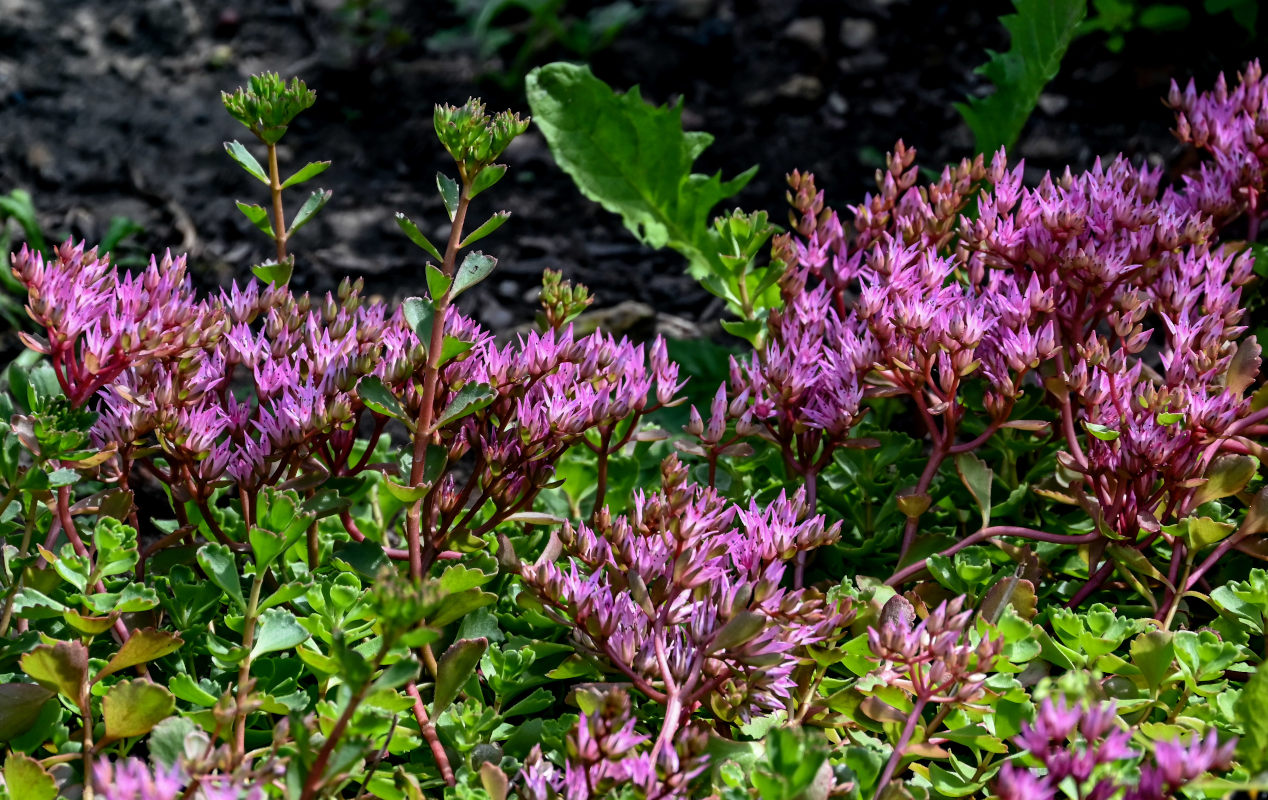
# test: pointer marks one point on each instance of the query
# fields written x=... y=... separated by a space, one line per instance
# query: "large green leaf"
x=1252 y=748
x=25 y=778
x=454 y=667
x=1040 y=32
x=632 y=158
x=144 y=645
x=133 y=708
x=20 y=706
x=61 y=667
x=279 y=630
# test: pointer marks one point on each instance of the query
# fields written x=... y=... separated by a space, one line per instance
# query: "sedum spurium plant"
x=973 y=516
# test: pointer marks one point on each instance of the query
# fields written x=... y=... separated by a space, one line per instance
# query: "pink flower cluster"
x=256 y=386
x=133 y=779
x=606 y=754
x=689 y=605
x=1109 y=294
x=1075 y=761
x=935 y=659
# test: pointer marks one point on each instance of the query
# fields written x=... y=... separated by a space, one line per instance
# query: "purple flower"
x=133 y=779
x=1100 y=742
x=689 y=606
x=607 y=755
x=935 y=659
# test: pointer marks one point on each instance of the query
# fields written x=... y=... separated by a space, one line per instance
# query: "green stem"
x=315 y=775
x=244 y=670
x=421 y=554
x=275 y=188
x=27 y=532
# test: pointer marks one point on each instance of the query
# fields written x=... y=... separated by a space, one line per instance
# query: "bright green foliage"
x=1040 y=31
x=269 y=104
x=633 y=159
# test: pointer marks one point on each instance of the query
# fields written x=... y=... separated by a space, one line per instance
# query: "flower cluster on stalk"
x=688 y=605
x=1103 y=291
x=606 y=755
x=1082 y=748
x=256 y=386
x=936 y=659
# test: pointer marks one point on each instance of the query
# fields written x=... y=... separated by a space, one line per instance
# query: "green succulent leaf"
x=143 y=645
x=24 y=778
x=278 y=630
x=62 y=667
x=315 y=202
x=378 y=398
x=438 y=282
x=468 y=400
x=452 y=670
x=20 y=707
x=257 y=216
x=490 y=225
x=416 y=236
x=133 y=708
x=310 y=170
x=1252 y=747
x=449 y=193
x=218 y=562
x=474 y=268
x=277 y=273
x=239 y=153
x=420 y=315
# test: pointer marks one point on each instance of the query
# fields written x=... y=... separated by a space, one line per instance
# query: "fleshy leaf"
x=453 y=669
x=1101 y=432
x=61 y=667
x=311 y=206
x=257 y=215
x=218 y=562
x=133 y=708
x=493 y=223
x=977 y=478
x=448 y=193
x=739 y=630
x=1227 y=475
x=1243 y=368
x=416 y=236
x=20 y=706
x=144 y=645
x=310 y=170
x=486 y=178
x=239 y=153
x=275 y=272
x=378 y=398
x=437 y=282
x=24 y=778
x=420 y=314
x=1252 y=747
x=1152 y=653
x=474 y=268
x=278 y=630
x=468 y=400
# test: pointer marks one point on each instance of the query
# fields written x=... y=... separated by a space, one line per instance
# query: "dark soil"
x=112 y=108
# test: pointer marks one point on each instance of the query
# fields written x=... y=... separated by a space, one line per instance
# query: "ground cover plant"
x=975 y=513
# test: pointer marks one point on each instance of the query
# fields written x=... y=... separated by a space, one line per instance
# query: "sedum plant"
x=970 y=517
